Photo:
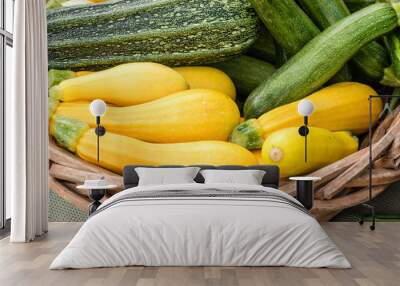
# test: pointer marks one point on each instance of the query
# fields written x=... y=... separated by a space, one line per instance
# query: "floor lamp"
x=97 y=109
x=304 y=185
x=386 y=99
x=305 y=108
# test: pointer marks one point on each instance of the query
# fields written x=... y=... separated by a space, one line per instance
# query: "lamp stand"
x=303 y=131
x=100 y=131
x=368 y=205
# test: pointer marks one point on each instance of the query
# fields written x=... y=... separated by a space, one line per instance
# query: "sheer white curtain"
x=26 y=124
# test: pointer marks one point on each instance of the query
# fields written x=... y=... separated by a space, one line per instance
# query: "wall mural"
x=218 y=82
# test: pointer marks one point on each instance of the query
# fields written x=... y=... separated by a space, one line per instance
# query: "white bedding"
x=183 y=231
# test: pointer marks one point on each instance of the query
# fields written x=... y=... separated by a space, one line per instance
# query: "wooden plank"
x=79 y=176
x=347 y=201
x=379 y=177
x=335 y=186
x=78 y=201
x=385 y=162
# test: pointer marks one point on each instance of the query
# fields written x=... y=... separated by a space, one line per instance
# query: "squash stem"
x=389 y=78
x=67 y=131
x=248 y=134
x=53 y=100
x=57 y=76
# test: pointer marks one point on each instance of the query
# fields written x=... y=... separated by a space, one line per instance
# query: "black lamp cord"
x=98 y=137
x=303 y=131
x=305 y=137
x=100 y=131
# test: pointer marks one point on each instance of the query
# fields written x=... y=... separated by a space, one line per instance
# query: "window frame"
x=6 y=39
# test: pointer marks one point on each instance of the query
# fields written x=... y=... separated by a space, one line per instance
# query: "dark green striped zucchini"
x=322 y=57
x=246 y=72
x=372 y=59
x=173 y=32
x=264 y=47
x=286 y=22
x=355 y=5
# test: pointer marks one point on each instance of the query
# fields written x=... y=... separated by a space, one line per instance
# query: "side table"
x=96 y=193
x=305 y=190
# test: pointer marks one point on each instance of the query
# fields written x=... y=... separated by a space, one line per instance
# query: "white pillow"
x=247 y=177
x=164 y=176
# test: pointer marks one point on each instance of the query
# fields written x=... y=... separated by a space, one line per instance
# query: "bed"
x=198 y=224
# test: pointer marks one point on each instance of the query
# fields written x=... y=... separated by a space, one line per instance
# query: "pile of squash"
x=157 y=115
x=200 y=103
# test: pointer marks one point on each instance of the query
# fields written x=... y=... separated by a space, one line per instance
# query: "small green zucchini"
x=246 y=72
x=291 y=28
x=394 y=45
x=372 y=59
x=322 y=57
x=286 y=22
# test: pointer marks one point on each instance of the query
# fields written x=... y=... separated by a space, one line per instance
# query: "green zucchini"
x=394 y=45
x=281 y=56
x=286 y=22
x=264 y=47
x=246 y=72
x=372 y=59
x=322 y=57
x=172 y=32
x=355 y=5
x=291 y=28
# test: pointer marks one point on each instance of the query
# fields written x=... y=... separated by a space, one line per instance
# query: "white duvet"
x=200 y=231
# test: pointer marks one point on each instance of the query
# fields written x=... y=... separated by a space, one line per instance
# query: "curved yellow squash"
x=123 y=85
x=257 y=153
x=285 y=148
x=117 y=151
x=339 y=107
x=190 y=115
x=208 y=78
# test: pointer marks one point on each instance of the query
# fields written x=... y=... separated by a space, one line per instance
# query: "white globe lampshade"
x=98 y=107
x=305 y=107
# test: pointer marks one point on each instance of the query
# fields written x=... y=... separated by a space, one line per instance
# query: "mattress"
x=201 y=225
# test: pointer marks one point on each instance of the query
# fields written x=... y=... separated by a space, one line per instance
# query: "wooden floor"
x=375 y=257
